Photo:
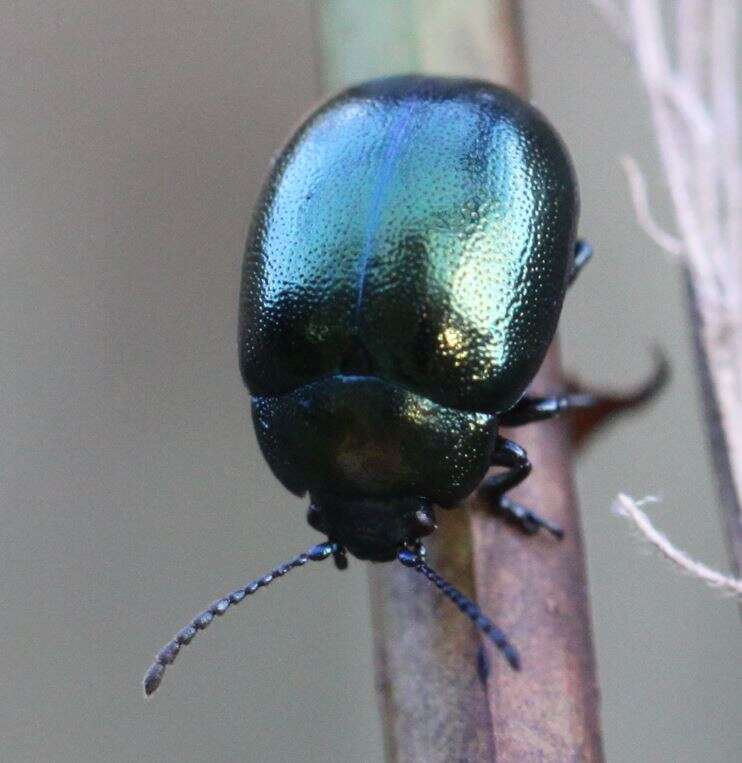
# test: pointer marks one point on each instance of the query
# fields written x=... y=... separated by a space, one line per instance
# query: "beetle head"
x=369 y=527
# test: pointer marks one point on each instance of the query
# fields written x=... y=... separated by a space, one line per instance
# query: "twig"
x=437 y=706
x=627 y=507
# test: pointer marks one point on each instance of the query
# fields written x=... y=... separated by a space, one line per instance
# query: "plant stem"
x=436 y=704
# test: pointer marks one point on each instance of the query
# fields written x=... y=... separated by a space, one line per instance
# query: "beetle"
x=403 y=279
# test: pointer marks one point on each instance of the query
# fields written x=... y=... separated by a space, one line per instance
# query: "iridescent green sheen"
x=417 y=230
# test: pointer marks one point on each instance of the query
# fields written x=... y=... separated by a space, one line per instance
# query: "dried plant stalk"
x=695 y=111
x=629 y=508
x=437 y=707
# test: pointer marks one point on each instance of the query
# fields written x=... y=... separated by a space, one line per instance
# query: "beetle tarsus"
x=510 y=455
x=529 y=521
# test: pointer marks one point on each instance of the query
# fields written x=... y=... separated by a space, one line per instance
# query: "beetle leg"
x=529 y=409
x=527 y=520
x=510 y=455
x=583 y=253
x=588 y=409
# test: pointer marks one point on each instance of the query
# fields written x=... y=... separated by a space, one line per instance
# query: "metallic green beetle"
x=403 y=279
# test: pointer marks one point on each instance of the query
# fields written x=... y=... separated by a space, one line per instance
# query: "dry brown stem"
x=436 y=706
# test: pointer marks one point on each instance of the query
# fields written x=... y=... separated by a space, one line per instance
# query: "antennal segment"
x=166 y=656
x=414 y=559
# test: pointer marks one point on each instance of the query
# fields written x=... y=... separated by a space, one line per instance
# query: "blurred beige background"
x=133 y=137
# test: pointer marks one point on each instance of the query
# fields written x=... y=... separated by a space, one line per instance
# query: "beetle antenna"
x=415 y=560
x=166 y=656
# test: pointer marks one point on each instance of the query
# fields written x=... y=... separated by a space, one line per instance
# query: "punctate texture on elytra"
x=416 y=229
x=403 y=278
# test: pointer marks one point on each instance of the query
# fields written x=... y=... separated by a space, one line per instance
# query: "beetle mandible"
x=403 y=278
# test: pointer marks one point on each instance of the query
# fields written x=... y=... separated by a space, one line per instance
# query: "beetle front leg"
x=510 y=455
